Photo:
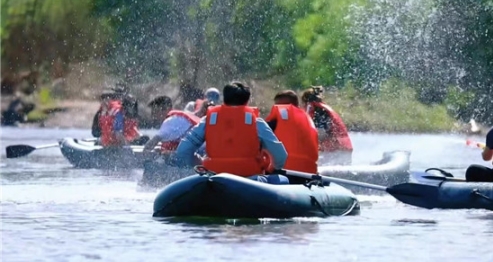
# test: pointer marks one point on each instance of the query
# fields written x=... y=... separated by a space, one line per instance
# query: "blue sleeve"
x=119 y=122
x=489 y=139
x=270 y=143
x=184 y=155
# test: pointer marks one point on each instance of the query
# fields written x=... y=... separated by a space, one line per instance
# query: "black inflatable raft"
x=85 y=154
x=454 y=193
x=229 y=196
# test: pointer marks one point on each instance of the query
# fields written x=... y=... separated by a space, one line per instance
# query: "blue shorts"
x=271 y=179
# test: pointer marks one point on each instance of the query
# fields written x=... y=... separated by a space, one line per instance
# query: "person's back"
x=295 y=129
x=175 y=127
x=174 y=124
x=232 y=141
x=234 y=138
x=333 y=135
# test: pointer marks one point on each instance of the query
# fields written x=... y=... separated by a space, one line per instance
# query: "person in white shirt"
x=174 y=126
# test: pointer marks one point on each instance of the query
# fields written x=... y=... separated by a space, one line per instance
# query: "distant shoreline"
x=79 y=114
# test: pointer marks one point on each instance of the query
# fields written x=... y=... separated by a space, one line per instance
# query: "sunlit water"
x=52 y=212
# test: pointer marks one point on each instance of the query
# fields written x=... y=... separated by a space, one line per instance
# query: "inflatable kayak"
x=230 y=196
x=85 y=154
x=392 y=169
x=453 y=193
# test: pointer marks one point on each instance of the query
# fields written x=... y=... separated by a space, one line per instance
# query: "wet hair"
x=236 y=94
x=164 y=102
x=312 y=94
x=290 y=95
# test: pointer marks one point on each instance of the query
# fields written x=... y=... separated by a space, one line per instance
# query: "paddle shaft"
x=47 y=146
x=335 y=180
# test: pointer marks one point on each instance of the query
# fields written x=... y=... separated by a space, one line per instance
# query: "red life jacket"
x=295 y=129
x=337 y=136
x=232 y=143
x=106 y=121
x=130 y=130
x=193 y=119
x=198 y=105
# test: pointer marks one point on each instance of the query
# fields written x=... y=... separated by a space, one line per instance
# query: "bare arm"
x=487 y=153
x=149 y=146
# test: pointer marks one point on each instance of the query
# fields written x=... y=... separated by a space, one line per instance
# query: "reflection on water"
x=53 y=212
x=247 y=230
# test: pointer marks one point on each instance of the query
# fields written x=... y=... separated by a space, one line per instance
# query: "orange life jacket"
x=338 y=137
x=295 y=129
x=193 y=119
x=232 y=143
x=106 y=121
x=130 y=130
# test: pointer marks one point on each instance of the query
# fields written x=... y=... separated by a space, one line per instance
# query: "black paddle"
x=23 y=150
x=410 y=193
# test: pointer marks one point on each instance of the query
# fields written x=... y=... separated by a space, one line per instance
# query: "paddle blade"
x=18 y=150
x=419 y=195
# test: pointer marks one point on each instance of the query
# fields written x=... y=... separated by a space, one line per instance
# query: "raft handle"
x=481 y=195
x=443 y=172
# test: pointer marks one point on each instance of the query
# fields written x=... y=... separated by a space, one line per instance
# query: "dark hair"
x=290 y=95
x=236 y=94
x=131 y=106
x=162 y=102
x=110 y=94
x=312 y=94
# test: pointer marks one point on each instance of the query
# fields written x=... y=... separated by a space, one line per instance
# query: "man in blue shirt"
x=185 y=153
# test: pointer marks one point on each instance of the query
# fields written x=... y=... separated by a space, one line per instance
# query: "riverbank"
x=72 y=101
x=385 y=114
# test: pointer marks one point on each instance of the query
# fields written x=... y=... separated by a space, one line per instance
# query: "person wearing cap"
x=116 y=121
x=212 y=96
x=332 y=132
x=175 y=124
x=234 y=138
x=110 y=120
x=105 y=98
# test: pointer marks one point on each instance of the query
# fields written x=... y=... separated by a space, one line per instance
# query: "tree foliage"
x=443 y=48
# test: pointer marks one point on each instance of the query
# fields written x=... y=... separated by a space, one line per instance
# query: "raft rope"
x=443 y=172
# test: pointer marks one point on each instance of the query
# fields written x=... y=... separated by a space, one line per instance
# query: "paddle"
x=470 y=142
x=14 y=151
x=410 y=193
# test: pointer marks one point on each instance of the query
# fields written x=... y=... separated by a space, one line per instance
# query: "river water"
x=52 y=212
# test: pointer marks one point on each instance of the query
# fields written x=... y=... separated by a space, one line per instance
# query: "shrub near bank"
x=394 y=108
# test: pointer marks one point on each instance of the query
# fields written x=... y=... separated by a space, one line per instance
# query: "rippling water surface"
x=52 y=212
